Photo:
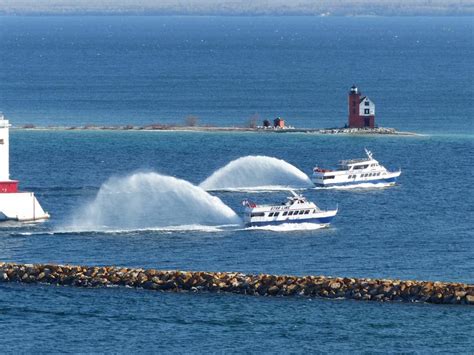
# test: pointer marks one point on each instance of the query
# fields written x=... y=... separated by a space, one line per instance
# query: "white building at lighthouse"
x=14 y=205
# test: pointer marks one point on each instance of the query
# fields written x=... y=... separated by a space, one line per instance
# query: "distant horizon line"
x=161 y=14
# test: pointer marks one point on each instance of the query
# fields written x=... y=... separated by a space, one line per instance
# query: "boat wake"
x=151 y=201
x=257 y=174
x=128 y=231
x=290 y=227
x=367 y=185
x=260 y=189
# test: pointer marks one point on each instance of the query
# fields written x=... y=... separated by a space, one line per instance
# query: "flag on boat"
x=248 y=203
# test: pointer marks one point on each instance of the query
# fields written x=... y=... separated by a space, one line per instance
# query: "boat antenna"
x=294 y=193
x=368 y=152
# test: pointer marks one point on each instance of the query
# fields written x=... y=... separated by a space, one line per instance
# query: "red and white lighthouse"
x=14 y=205
x=361 y=110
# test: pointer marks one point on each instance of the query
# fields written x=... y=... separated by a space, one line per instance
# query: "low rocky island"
x=161 y=127
x=365 y=289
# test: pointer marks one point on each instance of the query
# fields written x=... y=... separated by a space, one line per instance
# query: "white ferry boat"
x=295 y=210
x=355 y=171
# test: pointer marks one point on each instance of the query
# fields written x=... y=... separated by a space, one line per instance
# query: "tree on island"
x=252 y=121
x=191 y=121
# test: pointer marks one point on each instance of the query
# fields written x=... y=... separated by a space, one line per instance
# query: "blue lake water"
x=137 y=70
x=120 y=70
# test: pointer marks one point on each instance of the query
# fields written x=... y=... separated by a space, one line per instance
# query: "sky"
x=240 y=7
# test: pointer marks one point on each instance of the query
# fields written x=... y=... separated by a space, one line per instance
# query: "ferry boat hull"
x=323 y=220
x=390 y=178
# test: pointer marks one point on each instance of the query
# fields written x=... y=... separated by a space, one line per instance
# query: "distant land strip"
x=161 y=127
x=365 y=289
x=241 y=7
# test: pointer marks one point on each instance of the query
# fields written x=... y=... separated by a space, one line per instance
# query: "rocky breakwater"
x=264 y=285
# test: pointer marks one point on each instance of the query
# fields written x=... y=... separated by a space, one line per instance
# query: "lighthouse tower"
x=14 y=205
x=361 y=110
x=6 y=185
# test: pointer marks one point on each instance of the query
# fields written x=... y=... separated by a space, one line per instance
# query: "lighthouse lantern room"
x=14 y=205
x=361 y=110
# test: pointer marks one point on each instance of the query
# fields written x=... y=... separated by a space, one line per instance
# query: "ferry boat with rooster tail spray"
x=355 y=172
x=296 y=209
x=14 y=204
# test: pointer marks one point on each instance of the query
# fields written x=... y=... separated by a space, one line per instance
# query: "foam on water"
x=151 y=201
x=256 y=173
x=260 y=189
x=290 y=227
x=367 y=185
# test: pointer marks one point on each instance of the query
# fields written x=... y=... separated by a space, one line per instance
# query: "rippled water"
x=128 y=320
x=421 y=228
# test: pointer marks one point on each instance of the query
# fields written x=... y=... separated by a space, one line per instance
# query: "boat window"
x=358 y=167
x=290 y=213
x=257 y=214
x=306 y=212
x=285 y=213
x=301 y=212
x=328 y=177
x=276 y=214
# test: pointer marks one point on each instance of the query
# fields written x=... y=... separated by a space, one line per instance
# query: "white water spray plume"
x=256 y=172
x=151 y=200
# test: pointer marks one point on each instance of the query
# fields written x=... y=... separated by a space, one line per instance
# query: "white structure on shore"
x=14 y=205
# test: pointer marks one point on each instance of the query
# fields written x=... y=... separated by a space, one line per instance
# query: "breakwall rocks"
x=262 y=284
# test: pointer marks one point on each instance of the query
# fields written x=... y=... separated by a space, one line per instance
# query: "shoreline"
x=361 y=289
x=171 y=128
